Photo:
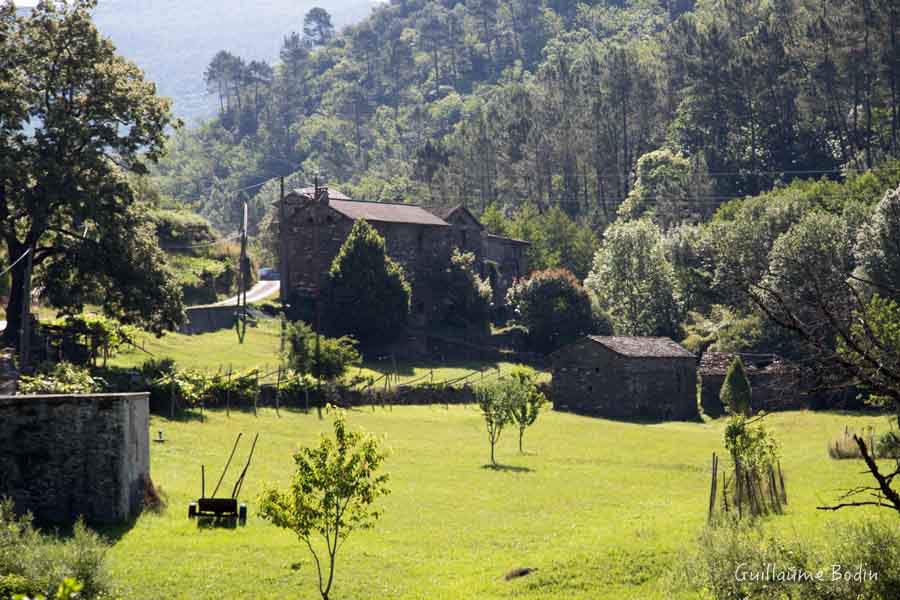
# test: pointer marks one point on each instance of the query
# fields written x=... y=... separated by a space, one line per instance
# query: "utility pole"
x=318 y=292
x=283 y=269
x=25 y=331
x=243 y=277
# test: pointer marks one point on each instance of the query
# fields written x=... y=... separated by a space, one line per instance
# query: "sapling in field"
x=525 y=400
x=495 y=408
x=332 y=493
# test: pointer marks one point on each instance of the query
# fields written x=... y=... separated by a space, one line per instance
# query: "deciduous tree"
x=332 y=494
x=76 y=119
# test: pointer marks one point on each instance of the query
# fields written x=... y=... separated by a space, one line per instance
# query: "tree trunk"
x=14 y=306
x=521 y=434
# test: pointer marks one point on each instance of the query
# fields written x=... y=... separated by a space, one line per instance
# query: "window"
x=420 y=308
x=596 y=369
x=462 y=236
x=420 y=241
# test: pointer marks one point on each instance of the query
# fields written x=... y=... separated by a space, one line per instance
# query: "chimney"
x=322 y=195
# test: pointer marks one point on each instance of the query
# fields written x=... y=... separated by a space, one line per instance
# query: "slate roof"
x=717 y=363
x=446 y=213
x=643 y=347
x=384 y=212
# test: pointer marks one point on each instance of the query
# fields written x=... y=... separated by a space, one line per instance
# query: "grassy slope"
x=606 y=509
x=213 y=351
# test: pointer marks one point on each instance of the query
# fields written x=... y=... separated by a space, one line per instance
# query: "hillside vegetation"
x=173 y=40
x=552 y=103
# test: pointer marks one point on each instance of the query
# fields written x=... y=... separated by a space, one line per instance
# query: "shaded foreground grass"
x=602 y=509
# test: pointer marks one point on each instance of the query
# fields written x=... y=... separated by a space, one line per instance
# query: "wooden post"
x=712 y=490
x=256 y=394
x=278 y=392
x=724 y=492
x=172 y=397
x=228 y=394
x=784 y=499
x=738 y=485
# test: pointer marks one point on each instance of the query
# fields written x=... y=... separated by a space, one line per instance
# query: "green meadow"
x=602 y=509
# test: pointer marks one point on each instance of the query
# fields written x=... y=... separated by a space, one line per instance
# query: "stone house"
x=418 y=239
x=625 y=378
x=774 y=385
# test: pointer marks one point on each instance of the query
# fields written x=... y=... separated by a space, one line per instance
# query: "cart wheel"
x=242 y=514
x=192 y=510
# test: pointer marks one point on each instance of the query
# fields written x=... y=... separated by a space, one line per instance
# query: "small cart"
x=223 y=508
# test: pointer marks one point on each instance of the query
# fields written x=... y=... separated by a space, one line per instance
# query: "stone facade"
x=418 y=239
x=773 y=384
x=62 y=457
x=625 y=378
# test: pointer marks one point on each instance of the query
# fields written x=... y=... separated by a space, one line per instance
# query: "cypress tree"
x=735 y=393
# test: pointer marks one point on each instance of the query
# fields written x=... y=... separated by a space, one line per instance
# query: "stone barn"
x=774 y=384
x=625 y=378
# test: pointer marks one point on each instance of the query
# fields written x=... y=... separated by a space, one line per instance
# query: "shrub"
x=888 y=445
x=466 y=296
x=61 y=378
x=728 y=554
x=735 y=392
x=553 y=306
x=367 y=293
x=846 y=447
x=34 y=564
x=336 y=355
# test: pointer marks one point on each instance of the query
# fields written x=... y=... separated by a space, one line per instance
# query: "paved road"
x=260 y=291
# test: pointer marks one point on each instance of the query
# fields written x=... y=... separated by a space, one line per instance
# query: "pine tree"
x=736 y=391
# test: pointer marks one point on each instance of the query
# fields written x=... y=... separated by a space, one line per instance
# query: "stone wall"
x=62 y=457
x=206 y=319
x=594 y=381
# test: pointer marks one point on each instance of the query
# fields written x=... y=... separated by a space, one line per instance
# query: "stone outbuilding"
x=774 y=384
x=625 y=378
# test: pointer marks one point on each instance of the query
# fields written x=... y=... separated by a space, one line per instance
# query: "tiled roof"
x=643 y=347
x=387 y=213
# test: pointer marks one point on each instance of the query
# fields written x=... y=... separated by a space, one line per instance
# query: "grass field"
x=602 y=509
x=261 y=347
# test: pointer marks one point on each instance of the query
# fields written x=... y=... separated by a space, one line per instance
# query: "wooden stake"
x=712 y=490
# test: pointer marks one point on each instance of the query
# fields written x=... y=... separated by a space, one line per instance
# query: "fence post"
x=712 y=490
x=277 y=391
x=228 y=394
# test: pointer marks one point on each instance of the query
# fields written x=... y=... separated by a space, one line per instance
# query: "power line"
x=10 y=267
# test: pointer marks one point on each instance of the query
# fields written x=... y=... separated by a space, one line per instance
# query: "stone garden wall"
x=62 y=457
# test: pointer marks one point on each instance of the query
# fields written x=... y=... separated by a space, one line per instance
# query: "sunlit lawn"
x=602 y=509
